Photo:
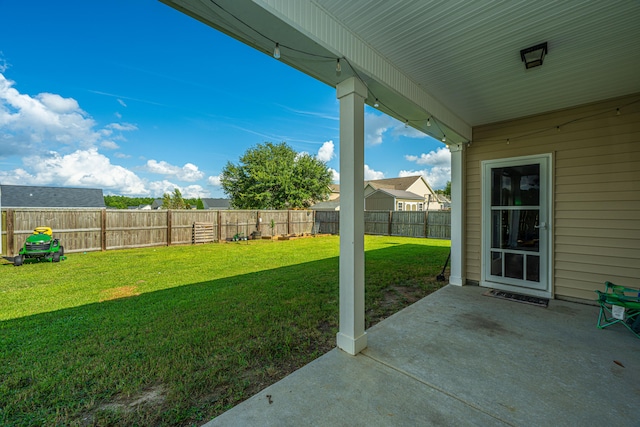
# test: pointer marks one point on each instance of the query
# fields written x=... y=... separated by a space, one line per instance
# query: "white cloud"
x=58 y=104
x=31 y=125
x=370 y=174
x=110 y=145
x=441 y=157
x=214 y=181
x=438 y=167
x=437 y=177
x=326 y=152
x=121 y=102
x=82 y=168
x=194 y=191
x=189 y=172
x=159 y=188
x=336 y=175
x=122 y=126
x=377 y=126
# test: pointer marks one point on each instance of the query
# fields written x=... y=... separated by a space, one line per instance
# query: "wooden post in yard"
x=103 y=230
x=219 y=225
x=168 y=227
x=11 y=215
x=390 y=222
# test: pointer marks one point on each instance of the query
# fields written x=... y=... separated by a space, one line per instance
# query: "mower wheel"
x=18 y=260
x=61 y=250
x=55 y=257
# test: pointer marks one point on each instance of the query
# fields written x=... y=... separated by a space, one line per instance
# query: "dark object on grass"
x=440 y=277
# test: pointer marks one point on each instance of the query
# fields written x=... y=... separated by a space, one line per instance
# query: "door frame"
x=546 y=197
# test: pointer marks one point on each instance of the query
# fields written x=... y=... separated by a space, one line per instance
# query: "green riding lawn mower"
x=40 y=246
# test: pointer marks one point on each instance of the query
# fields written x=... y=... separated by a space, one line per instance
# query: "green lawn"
x=173 y=336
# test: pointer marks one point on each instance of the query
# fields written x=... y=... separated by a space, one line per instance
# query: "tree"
x=446 y=191
x=274 y=176
x=123 y=202
x=173 y=201
x=199 y=204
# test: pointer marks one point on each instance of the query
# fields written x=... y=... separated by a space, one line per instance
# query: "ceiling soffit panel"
x=398 y=95
x=317 y=40
x=466 y=53
x=457 y=60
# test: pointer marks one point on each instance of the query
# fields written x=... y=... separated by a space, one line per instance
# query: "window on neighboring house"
x=399 y=206
x=420 y=207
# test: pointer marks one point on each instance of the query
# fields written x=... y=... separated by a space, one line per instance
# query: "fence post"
x=390 y=222
x=103 y=230
x=10 y=229
x=168 y=227
x=219 y=225
x=426 y=223
x=288 y=222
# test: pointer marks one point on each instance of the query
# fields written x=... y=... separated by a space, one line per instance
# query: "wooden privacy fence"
x=432 y=224
x=81 y=230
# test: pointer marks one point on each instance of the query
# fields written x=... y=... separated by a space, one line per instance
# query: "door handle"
x=542 y=225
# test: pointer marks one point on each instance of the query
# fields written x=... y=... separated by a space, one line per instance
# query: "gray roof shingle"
x=26 y=196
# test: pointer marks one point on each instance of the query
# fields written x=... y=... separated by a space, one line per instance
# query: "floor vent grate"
x=525 y=299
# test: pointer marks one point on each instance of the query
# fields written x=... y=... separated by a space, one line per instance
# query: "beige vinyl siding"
x=596 y=191
x=380 y=202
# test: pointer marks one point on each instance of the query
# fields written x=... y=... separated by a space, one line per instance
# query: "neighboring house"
x=335 y=191
x=411 y=193
x=157 y=204
x=421 y=196
x=328 y=205
x=393 y=200
x=25 y=196
x=545 y=157
x=216 y=204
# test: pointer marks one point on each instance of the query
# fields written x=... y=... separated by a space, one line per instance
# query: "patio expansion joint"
x=436 y=388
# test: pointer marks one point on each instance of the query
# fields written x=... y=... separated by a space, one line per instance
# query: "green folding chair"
x=619 y=304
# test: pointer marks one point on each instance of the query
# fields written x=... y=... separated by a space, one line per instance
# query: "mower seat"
x=619 y=304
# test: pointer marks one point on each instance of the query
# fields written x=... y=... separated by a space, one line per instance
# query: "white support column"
x=457 y=276
x=351 y=336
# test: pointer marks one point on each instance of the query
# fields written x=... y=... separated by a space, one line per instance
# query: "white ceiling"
x=462 y=57
x=467 y=53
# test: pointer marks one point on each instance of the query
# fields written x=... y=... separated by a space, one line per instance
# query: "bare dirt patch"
x=119 y=292
x=153 y=396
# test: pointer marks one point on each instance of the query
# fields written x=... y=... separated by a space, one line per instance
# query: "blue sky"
x=137 y=98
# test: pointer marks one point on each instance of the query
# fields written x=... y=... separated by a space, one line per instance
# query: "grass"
x=173 y=336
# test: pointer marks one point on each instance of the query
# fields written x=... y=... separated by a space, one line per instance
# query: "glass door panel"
x=515 y=206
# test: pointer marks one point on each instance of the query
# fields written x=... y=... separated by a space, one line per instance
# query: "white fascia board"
x=315 y=23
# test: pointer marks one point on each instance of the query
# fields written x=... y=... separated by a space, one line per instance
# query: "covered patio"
x=460 y=358
x=545 y=165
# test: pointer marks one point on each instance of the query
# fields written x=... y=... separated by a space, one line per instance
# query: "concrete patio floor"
x=460 y=358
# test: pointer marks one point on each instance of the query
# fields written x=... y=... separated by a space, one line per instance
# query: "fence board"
x=432 y=224
x=439 y=225
x=328 y=222
x=376 y=222
x=78 y=229
x=300 y=222
x=98 y=229
x=412 y=224
x=237 y=222
x=135 y=228
x=277 y=227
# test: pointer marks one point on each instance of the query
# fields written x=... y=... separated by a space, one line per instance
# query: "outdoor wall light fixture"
x=534 y=55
